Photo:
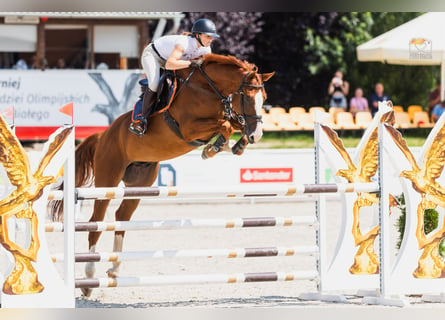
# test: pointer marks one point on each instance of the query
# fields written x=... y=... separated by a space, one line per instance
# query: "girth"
x=175 y=128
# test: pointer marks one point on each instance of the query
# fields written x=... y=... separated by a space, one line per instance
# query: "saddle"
x=165 y=94
x=166 y=91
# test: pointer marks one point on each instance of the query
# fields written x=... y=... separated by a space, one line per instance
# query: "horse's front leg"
x=221 y=143
x=239 y=147
x=201 y=128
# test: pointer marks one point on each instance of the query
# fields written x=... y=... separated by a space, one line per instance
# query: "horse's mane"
x=229 y=60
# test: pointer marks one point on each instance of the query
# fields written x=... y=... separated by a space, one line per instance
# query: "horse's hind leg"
x=105 y=176
x=126 y=208
x=141 y=174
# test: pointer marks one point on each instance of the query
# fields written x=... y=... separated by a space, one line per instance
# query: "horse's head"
x=241 y=89
x=252 y=95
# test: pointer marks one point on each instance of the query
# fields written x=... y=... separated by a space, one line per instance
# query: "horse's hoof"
x=238 y=148
x=237 y=151
x=208 y=152
x=86 y=292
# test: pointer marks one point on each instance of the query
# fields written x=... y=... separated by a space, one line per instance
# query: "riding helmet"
x=205 y=26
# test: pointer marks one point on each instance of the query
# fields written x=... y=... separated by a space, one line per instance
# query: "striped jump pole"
x=195 y=279
x=186 y=223
x=197 y=253
x=217 y=191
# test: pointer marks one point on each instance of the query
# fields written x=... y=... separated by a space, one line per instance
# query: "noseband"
x=229 y=113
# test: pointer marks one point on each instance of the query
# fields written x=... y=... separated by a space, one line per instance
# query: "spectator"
x=60 y=63
x=21 y=65
x=34 y=62
x=437 y=111
x=379 y=95
x=338 y=90
x=358 y=103
x=434 y=98
x=43 y=64
x=102 y=66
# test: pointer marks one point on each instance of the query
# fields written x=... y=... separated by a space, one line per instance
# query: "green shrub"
x=430 y=218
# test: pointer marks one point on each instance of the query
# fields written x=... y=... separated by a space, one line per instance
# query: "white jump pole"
x=196 y=279
x=289 y=190
x=232 y=223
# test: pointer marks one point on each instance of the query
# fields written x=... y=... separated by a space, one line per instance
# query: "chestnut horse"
x=222 y=95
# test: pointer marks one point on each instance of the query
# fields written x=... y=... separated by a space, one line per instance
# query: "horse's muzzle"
x=256 y=135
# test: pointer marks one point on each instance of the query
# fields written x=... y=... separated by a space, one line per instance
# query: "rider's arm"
x=173 y=61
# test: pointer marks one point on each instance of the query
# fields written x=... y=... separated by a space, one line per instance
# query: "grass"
x=292 y=140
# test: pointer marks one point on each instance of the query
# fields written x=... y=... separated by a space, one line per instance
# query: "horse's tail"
x=85 y=160
x=84 y=172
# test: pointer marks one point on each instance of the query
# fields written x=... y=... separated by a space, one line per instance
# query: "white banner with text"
x=98 y=96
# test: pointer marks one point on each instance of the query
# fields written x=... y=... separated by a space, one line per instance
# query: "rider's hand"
x=195 y=63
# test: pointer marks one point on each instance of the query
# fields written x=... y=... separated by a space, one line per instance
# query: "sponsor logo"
x=250 y=175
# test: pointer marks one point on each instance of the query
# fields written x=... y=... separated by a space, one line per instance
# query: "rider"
x=171 y=52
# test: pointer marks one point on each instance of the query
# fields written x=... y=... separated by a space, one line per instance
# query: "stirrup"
x=138 y=127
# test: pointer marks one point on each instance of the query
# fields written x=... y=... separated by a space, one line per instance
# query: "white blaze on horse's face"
x=258 y=133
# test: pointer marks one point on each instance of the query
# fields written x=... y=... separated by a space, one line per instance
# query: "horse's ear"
x=267 y=76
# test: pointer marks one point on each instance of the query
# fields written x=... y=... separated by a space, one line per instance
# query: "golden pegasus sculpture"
x=29 y=187
x=423 y=179
x=365 y=260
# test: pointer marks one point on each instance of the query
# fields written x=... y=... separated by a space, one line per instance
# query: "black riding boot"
x=148 y=102
x=139 y=125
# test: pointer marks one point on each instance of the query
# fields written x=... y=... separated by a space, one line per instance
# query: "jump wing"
x=435 y=156
x=369 y=158
x=338 y=144
x=401 y=144
x=52 y=150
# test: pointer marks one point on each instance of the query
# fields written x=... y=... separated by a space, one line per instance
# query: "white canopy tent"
x=420 y=41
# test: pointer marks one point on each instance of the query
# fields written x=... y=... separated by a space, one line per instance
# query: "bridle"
x=229 y=112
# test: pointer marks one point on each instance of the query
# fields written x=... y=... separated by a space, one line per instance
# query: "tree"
x=306 y=48
x=279 y=48
x=237 y=30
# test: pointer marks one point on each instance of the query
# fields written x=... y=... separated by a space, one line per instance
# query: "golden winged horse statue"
x=423 y=179
x=19 y=204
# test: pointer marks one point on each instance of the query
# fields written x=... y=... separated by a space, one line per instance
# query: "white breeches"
x=150 y=64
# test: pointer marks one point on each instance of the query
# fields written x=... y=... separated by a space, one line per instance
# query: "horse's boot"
x=212 y=149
